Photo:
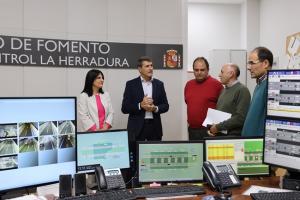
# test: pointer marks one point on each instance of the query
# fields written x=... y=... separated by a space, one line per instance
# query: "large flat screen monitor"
x=107 y=148
x=244 y=154
x=170 y=161
x=282 y=127
x=37 y=140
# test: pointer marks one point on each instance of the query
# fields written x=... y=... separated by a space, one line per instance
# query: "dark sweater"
x=234 y=100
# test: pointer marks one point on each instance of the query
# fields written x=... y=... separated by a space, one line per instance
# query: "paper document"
x=259 y=189
x=48 y=189
x=173 y=197
x=215 y=116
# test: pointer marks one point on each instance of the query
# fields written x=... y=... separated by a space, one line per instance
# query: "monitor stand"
x=291 y=181
x=1 y=195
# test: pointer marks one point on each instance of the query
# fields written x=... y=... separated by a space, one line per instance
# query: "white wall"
x=136 y=21
x=278 y=19
x=250 y=32
x=212 y=26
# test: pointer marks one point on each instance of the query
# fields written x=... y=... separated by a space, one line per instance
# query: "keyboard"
x=276 y=196
x=107 y=195
x=165 y=191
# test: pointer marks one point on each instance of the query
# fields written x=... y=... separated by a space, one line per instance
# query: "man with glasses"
x=259 y=62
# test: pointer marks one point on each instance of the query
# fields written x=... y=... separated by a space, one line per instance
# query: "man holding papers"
x=200 y=93
x=234 y=99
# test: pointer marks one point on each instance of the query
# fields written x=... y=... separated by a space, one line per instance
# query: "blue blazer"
x=133 y=95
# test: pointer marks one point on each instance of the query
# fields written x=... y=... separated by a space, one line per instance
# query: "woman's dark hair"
x=203 y=60
x=91 y=76
x=264 y=54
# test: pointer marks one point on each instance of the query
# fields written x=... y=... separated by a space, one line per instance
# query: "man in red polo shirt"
x=200 y=94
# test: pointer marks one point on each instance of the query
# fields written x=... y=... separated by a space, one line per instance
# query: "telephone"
x=109 y=179
x=220 y=176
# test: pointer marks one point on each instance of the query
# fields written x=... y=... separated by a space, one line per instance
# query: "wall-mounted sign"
x=85 y=54
x=293 y=50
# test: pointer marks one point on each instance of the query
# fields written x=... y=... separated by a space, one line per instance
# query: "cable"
x=134 y=176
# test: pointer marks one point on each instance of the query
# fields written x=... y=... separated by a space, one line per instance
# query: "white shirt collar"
x=143 y=80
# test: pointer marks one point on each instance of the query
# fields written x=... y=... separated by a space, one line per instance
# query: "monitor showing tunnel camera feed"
x=37 y=140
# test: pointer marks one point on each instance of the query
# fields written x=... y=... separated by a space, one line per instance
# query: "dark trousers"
x=147 y=134
x=197 y=133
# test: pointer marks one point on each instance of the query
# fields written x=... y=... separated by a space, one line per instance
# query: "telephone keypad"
x=224 y=178
x=114 y=181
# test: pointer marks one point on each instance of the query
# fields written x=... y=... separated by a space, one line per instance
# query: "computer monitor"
x=37 y=140
x=244 y=154
x=108 y=148
x=282 y=127
x=170 y=161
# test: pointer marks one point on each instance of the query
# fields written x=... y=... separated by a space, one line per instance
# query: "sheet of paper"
x=215 y=116
x=26 y=197
x=172 y=197
x=259 y=189
x=48 y=189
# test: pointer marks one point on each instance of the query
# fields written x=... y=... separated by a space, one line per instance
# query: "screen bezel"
x=230 y=137
x=101 y=132
x=75 y=123
x=168 y=142
x=279 y=118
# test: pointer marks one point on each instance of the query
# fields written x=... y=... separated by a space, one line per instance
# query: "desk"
x=237 y=192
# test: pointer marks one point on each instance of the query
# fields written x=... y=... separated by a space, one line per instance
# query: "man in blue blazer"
x=144 y=100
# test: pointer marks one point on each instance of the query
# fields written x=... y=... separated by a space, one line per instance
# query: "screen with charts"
x=282 y=127
x=244 y=154
x=170 y=161
x=37 y=140
x=107 y=148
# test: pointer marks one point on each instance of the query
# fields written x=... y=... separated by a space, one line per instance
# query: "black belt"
x=148 y=121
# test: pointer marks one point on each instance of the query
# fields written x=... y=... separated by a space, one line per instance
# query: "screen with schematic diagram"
x=170 y=161
x=108 y=148
x=244 y=154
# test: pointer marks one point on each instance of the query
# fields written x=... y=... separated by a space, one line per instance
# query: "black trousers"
x=197 y=133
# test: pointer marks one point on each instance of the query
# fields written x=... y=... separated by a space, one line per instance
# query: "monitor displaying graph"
x=170 y=161
x=107 y=148
x=244 y=154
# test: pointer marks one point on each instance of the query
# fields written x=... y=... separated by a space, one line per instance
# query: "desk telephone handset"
x=109 y=179
x=220 y=176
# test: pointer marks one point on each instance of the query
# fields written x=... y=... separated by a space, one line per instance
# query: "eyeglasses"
x=252 y=62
